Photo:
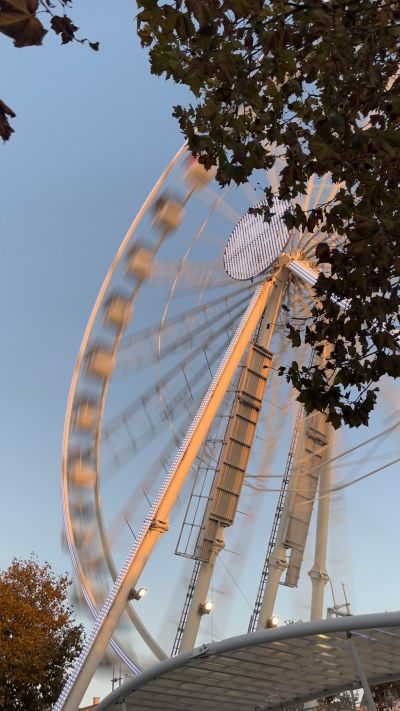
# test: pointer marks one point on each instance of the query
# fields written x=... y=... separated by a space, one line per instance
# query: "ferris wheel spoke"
x=308 y=246
x=376 y=440
x=173 y=289
x=188 y=291
x=210 y=198
x=188 y=317
x=301 y=233
x=179 y=391
x=309 y=192
x=142 y=488
x=143 y=334
x=323 y=184
x=371 y=456
x=273 y=173
x=184 y=331
x=331 y=194
x=180 y=402
x=167 y=378
x=250 y=193
x=317 y=238
x=193 y=275
x=308 y=241
x=206 y=285
x=304 y=300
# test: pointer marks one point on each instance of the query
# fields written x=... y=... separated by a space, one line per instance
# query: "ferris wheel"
x=177 y=417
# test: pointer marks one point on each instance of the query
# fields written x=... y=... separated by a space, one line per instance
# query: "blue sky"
x=93 y=133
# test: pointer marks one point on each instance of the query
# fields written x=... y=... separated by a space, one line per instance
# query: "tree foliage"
x=344 y=701
x=24 y=21
x=386 y=695
x=315 y=82
x=38 y=637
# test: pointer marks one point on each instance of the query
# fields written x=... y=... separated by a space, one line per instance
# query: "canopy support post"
x=361 y=673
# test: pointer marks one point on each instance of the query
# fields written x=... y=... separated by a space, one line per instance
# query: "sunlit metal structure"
x=213 y=361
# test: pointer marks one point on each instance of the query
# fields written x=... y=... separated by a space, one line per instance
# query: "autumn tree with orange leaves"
x=39 y=639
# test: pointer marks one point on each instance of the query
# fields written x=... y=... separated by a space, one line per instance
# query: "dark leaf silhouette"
x=5 y=129
x=301 y=78
x=62 y=25
x=19 y=22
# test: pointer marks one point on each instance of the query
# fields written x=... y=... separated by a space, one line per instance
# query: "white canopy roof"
x=268 y=669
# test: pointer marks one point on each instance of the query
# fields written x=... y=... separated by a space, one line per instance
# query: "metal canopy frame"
x=269 y=669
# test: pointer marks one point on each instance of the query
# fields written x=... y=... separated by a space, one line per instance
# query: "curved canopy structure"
x=266 y=670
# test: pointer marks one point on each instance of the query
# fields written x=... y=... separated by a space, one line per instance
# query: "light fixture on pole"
x=206 y=607
x=137 y=594
x=272 y=622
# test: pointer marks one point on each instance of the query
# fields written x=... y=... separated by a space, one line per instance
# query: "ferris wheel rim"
x=70 y=538
x=68 y=528
x=135 y=618
x=82 y=577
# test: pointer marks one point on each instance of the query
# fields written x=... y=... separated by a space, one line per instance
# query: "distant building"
x=96 y=701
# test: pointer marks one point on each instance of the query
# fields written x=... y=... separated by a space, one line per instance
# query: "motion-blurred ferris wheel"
x=177 y=378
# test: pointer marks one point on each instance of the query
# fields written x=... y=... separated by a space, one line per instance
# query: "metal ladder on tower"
x=213 y=442
x=211 y=448
x=278 y=512
x=186 y=607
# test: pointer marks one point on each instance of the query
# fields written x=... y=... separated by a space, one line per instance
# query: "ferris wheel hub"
x=255 y=243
